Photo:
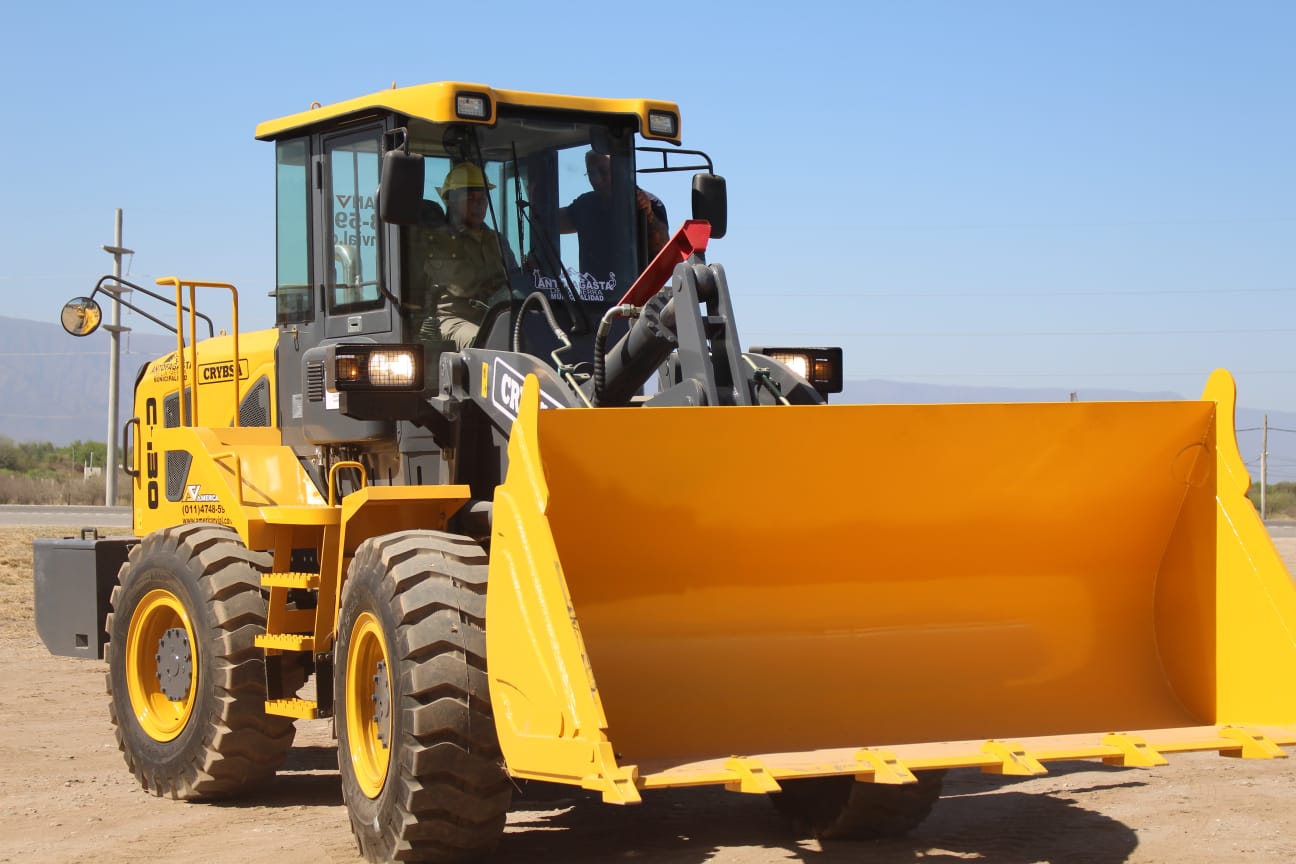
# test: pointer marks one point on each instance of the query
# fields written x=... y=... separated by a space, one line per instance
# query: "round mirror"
x=81 y=316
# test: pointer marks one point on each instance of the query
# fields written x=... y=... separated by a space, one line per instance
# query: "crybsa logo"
x=510 y=392
x=506 y=394
x=222 y=371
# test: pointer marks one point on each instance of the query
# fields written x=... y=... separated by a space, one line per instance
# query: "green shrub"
x=1280 y=500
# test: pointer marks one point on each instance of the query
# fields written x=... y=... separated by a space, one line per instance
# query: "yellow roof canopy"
x=436 y=102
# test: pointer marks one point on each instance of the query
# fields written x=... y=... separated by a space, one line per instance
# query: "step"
x=302 y=709
x=290 y=580
x=286 y=641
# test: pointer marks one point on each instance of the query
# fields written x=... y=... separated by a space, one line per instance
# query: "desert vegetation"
x=41 y=473
x=1280 y=500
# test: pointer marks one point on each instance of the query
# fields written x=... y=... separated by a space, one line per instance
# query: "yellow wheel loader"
x=503 y=482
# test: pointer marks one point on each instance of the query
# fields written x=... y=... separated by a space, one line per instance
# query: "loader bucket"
x=682 y=596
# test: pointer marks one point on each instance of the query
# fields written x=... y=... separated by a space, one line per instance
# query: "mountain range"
x=54 y=387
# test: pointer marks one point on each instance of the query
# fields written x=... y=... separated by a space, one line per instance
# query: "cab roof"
x=435 y=102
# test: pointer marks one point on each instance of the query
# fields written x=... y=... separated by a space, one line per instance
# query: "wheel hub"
x=175 y=664
x=381 y=702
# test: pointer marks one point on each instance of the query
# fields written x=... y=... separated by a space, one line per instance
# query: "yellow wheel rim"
x=161 y=665
x=368 y=704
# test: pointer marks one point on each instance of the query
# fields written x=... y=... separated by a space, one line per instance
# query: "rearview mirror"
x=400 y=190
x=710 y=202
x=81 y=316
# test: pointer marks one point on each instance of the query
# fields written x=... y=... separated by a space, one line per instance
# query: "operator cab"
x=363 y=192
x=353 y=258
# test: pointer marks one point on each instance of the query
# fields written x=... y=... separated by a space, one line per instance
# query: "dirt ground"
x=65 y=796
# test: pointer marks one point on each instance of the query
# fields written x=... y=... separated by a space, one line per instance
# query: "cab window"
x=293 y=295
x=352 y=221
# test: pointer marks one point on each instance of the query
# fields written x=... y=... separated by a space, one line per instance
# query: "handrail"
x=345 y=463
x=193 y=286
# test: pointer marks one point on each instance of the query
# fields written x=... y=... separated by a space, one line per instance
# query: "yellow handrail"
x=364 y=481
x=178 y=284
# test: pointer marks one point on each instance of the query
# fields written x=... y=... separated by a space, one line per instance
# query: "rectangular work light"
x=472 y=106
x=663 y=123
x=378 y=367
x=821 y=367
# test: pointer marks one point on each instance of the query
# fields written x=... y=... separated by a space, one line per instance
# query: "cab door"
x=329 y=271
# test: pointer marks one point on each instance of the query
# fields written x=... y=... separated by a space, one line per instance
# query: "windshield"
x=550 y=199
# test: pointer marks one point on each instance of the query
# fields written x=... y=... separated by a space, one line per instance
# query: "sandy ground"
x=65 y=796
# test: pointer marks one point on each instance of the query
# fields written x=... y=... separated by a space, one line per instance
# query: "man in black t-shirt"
x=590 y=218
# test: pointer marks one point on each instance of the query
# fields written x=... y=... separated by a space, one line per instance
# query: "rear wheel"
x=840 y=808
x=422 y=774
x=186 y=682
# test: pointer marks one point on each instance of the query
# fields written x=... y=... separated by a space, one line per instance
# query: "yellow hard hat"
x=465 y=175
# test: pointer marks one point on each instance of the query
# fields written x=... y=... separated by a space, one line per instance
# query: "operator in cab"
x=467 y=263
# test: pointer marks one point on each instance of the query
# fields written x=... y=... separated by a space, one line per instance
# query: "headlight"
x=821 y=367
x=378 y=367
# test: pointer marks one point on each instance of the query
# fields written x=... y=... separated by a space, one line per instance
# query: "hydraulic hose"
x=549 y=316
x=626 y=310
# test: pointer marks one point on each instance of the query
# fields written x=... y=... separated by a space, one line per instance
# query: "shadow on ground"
x=982 y=817
x=308 y=778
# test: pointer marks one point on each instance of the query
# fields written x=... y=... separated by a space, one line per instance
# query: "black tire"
x=422 y=774
x=192 y=725
x=839 y=808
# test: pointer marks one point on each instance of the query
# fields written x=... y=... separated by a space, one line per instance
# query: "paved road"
x=30 y=515
x=1281 y=528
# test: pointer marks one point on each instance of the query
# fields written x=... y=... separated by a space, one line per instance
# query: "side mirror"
x=400 y=190
x=710 y=202
x=81 y=316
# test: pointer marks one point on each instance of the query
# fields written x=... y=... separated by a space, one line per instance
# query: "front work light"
x=378 y=367
x=472 y=106
x=821 y=367
x=663 y=123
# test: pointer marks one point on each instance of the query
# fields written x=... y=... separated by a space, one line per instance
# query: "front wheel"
x=186 y=681
x=422 y=774
x=841 y=808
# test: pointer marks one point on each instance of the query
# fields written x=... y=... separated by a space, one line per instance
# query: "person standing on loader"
x=465 y=259
x=589 y=216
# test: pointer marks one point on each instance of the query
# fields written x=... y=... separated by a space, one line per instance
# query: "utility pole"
x=114 y=360
x=1264 y=468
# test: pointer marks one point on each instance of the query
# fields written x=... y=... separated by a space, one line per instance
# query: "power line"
x=1042 y=295
x=999 y=334
x=55 y=416
x=1038 y=226
x=70 y=353
x=1071 y=373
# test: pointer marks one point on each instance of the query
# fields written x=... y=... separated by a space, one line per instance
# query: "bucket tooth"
x=753 y=779
x=619 y=784
x=302 y=709
x=286 y=641
x=1134 y=752
x=882 y=766
x=308 y=581
x=1251 y=744
x=1014 y=761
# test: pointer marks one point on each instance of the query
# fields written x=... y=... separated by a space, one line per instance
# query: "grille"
x=254 y=410
x=177 y=473
x=315 y=381
x=171 y=408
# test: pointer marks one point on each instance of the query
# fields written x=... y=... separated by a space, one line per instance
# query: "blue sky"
x=1046 y=194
